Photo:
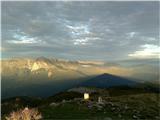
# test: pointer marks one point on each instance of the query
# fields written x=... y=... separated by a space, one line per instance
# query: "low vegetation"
x=24 y=114
x=117 y=103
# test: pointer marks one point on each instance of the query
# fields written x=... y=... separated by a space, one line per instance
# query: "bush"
x=25 y=114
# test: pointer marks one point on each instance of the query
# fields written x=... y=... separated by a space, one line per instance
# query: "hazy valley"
x=43 y=76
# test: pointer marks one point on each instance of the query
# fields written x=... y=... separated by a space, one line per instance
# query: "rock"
x=110 y=103
x=113 y=108
x=99 y=107
x=53 y=104
x=100 y=100
x=63 y=101
x=134 y=116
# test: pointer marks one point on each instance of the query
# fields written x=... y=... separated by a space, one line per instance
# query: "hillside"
x=117 y=103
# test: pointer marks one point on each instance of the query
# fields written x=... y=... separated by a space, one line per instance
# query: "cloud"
x=78 y=30
x=85 y=41
x=131 y=34
x=27 y=41
x=149 y=51
x=22 y=38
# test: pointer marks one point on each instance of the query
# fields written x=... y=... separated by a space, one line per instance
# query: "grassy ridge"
x=122 y=103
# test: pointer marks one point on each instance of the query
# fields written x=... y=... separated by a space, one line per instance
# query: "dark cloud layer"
x=80 y=30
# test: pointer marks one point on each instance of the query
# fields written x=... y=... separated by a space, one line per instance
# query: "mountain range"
x=47 y=76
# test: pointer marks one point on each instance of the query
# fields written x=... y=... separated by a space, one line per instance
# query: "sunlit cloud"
x=78 y=30
x=29 y=41
x=24 y=39
x=149 y=51
x=92 y=30
x=84 y=41
x=81 y=34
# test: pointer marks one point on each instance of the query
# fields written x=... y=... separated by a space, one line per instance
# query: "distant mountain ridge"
x=43 y=76
x=51 y=66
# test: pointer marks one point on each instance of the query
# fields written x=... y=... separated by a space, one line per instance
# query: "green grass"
x=139 y=103
x=143 y=105
x=73 y=111
x=65 y=111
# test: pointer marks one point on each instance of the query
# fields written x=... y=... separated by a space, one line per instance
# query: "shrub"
x=25 y=114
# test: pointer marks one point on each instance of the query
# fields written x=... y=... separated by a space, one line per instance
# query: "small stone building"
x=86 y=96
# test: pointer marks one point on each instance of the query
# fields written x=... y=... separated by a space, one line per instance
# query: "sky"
x=80 y=30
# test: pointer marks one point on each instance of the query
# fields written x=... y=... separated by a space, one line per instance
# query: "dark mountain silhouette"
x=107 y=80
